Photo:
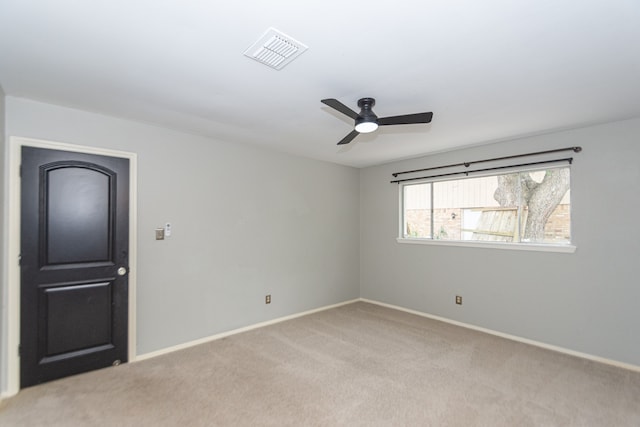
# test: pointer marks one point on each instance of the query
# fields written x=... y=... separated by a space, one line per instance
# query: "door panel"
x=77 y=204
x=74 y=238
x=84 y=309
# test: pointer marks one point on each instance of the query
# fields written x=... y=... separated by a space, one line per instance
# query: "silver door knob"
x=122 y=271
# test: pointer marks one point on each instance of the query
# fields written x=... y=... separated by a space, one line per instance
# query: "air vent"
x=275 y=49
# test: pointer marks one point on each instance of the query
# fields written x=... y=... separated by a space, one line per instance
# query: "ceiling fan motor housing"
x=367 y=119
x=366 y=103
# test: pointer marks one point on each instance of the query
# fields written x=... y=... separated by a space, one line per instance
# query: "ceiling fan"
x=366 y=121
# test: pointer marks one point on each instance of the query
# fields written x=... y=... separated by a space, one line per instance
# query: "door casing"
x=12 y=307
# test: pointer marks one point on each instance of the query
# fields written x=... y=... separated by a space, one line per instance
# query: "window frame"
x=543 y=247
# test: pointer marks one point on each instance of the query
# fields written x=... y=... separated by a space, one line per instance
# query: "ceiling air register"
x=275 y=49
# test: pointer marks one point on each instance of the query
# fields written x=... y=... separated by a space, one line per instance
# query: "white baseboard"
x=587 y=356
x=182 y=346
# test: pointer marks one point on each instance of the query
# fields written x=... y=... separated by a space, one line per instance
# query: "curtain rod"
x=567 y=159
x=467 y=164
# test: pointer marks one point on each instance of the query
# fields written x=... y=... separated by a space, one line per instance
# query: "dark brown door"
x=74 y=263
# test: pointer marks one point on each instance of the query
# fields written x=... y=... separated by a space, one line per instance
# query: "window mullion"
x=519 y=209
x=432 y=210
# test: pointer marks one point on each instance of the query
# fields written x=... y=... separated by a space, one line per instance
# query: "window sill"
x=492 y=245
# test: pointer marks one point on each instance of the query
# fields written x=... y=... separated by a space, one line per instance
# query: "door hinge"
x=19 y=350
x=20 y=259
x=20 y=171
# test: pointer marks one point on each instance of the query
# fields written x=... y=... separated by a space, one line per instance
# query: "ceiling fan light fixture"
x=366 y=127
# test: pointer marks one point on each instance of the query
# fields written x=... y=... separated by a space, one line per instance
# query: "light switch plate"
x=159 y=233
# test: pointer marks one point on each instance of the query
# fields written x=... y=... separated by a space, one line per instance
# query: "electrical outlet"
x=458 y=300
x=267 y=299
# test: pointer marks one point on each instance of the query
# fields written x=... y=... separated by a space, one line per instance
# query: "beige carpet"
x=356 y=365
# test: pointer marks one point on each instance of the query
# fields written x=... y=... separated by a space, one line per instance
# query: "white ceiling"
x=489 y=70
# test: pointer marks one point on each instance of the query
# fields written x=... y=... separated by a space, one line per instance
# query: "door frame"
x=11 y=355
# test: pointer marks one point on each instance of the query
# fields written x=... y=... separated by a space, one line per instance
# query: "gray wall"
x=586 y=301
x=246 y=222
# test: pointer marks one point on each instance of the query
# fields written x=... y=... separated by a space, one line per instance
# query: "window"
x=515 y=207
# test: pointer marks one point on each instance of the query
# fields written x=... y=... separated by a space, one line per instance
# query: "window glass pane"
x=417 y=211
x=546 y=206
x=469 y=209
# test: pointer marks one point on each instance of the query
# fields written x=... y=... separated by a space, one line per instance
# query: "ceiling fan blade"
x=347 y=139
x=337 y=105
x=407 y=119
